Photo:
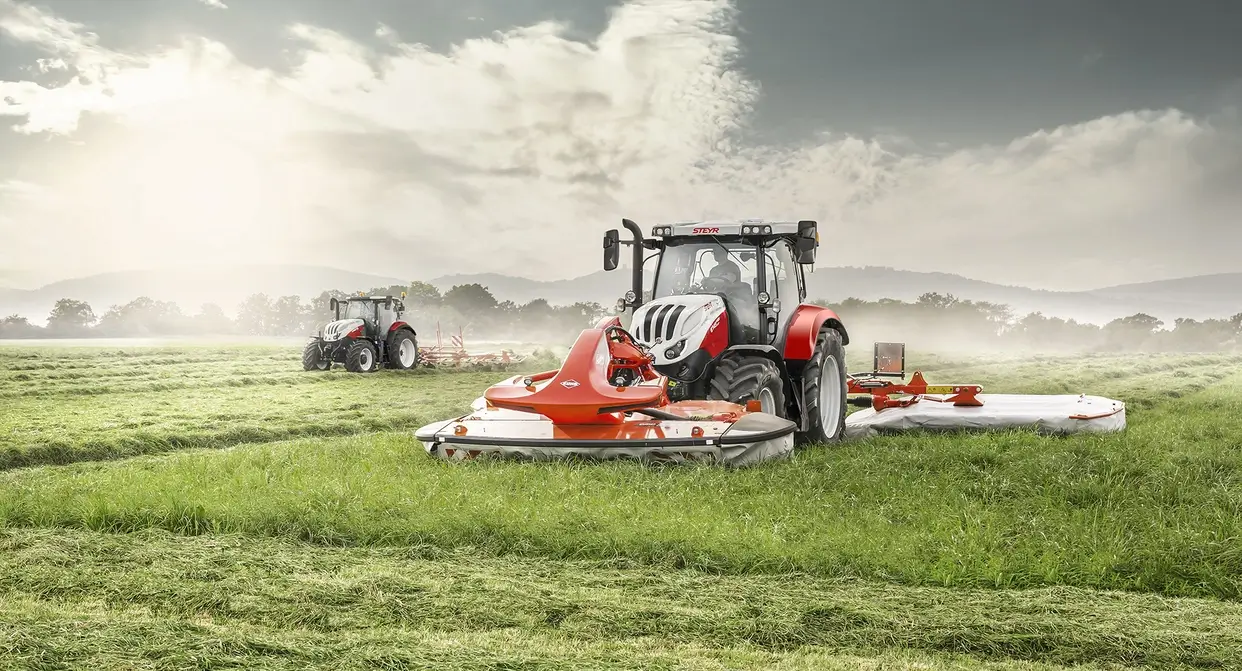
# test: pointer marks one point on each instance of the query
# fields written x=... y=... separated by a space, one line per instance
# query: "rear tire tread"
x=394 y=350
x=828 y=343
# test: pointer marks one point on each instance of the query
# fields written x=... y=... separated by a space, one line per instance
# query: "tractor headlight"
x=675 y=351
x=764 y=298
x=630 y=296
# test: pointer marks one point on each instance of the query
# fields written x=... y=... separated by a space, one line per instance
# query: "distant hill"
x=191 y=287
x=1201 y=297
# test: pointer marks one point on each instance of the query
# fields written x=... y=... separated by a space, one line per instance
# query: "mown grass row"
x=95 y=374
x=278 y=603
x=163 y=399
x=37 y=430
x=1154 y=509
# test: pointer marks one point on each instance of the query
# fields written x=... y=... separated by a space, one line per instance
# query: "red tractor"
x=367 y=334
x=727 y=319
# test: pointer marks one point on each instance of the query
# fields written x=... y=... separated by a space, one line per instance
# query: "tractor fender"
x=769 y=352
x=804 y=329
x=402 y=325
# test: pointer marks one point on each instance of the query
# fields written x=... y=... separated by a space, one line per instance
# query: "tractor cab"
x=754 y=267
x=376 y=313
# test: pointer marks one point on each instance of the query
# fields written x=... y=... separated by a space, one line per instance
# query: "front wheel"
x=824 y=390
x=313 y=359
x=361 y=357
x=740 y=379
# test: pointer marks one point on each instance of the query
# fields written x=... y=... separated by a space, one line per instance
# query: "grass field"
x=216 y=507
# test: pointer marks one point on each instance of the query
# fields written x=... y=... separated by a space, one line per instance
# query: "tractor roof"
x=760 y=227
x=378 y=299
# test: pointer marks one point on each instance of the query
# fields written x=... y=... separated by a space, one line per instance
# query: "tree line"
x=933 y=321
x=943 y=322
x=470 y=307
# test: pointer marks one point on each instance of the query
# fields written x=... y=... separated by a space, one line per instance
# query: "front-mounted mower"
x=367 y=332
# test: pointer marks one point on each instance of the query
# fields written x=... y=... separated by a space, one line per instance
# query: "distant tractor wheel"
x=740 y=379
x=824 y=390
x=361 y=357
x=402 y=350
x=313 y=359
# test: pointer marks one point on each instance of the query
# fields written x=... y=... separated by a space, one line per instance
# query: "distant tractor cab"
x=366 y=333
x=727 y=318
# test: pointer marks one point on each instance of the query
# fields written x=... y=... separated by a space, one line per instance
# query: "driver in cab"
x=726 y=277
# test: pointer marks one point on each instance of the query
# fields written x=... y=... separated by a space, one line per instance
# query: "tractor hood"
x=339 y=328
x=674 y=327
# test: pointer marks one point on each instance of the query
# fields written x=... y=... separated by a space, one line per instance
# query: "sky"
x=1065 y=144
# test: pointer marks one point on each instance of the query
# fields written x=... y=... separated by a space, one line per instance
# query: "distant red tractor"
x=727 y=319
x=367 y=334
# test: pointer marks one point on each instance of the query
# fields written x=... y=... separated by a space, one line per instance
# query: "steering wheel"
x=714 y=284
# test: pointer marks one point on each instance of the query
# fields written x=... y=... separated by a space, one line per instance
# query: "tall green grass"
x=268 y=518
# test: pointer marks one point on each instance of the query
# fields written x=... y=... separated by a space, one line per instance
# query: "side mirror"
x=612 y=249
x=808 y=241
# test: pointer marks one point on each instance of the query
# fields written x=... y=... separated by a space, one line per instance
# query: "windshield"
x=708 y=267
x=358 y=310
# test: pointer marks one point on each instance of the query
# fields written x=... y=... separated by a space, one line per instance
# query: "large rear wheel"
x=361 y=357
x=402 y=350
x=739 y=379
x=823 y=389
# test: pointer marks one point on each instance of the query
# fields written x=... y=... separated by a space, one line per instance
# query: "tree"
x=254 y=315
x=212 y=320
x=16 y=326
x=935 y=300
x=142 y=316
x=288 y=316
x=321 y=306
x=472 y=300
x=70 y=316
x=422 y=296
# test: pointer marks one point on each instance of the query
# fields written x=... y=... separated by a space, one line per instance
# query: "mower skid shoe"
x=754 y=438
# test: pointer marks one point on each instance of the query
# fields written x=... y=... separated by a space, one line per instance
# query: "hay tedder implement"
x=455 y=355
x=726 y=363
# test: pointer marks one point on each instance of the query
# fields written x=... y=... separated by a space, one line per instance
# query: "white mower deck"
x=1050 y=414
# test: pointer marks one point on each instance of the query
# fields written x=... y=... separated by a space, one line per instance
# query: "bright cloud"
x=512 y=153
